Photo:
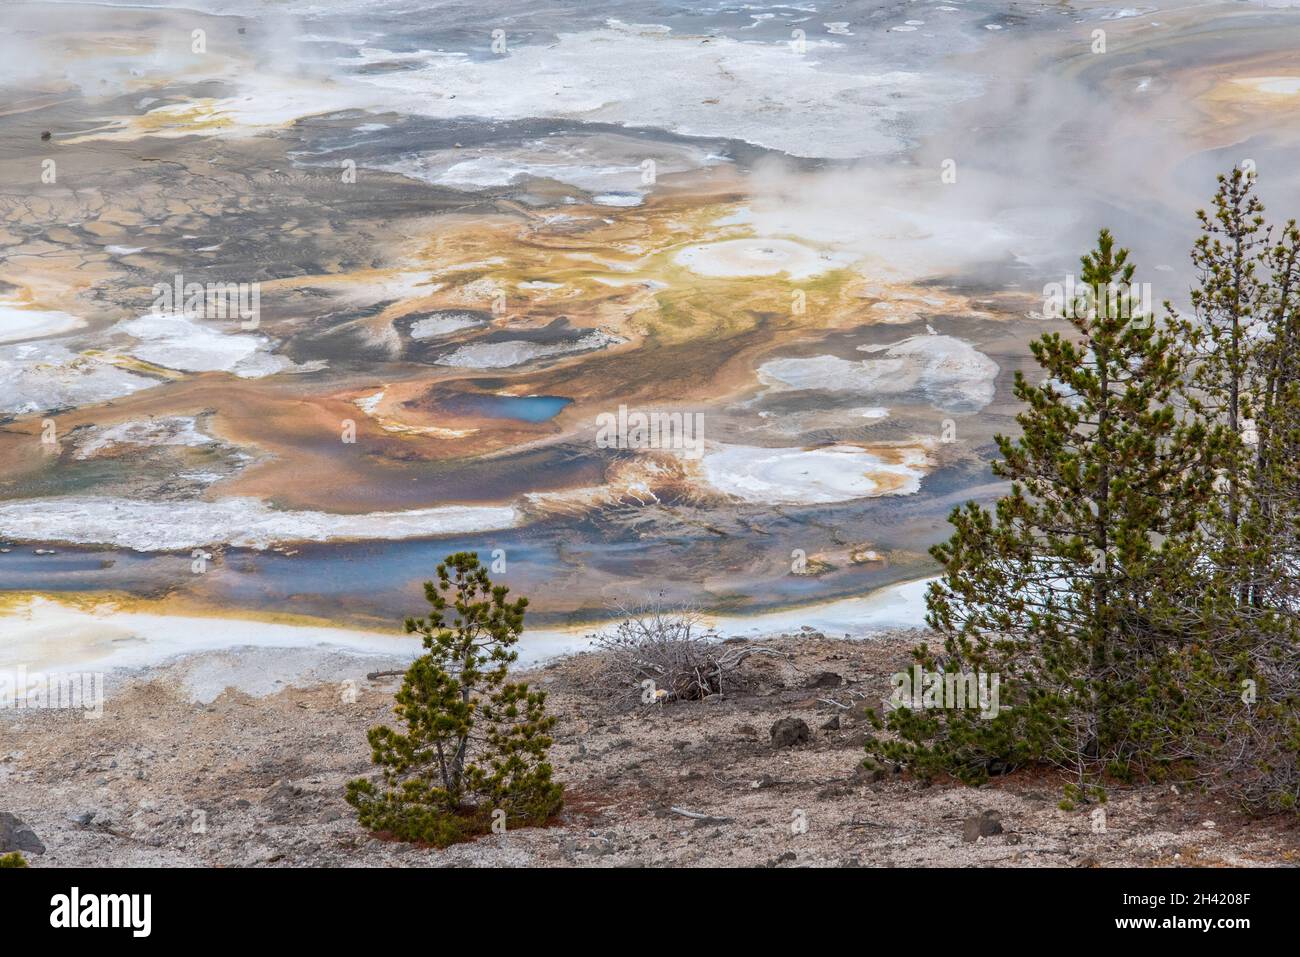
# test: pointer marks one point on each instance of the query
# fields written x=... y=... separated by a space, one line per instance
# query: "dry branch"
x=656 y=654
x=697 y=816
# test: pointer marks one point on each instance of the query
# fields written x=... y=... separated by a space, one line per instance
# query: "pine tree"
x=1270 y=732
x=1052 y=591
x=475 y=744
x=1225 y=334
x=1170 y=458
x=1240 y=598
x=1274 y=434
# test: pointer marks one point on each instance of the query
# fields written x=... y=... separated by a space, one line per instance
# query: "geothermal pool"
x=414 y=257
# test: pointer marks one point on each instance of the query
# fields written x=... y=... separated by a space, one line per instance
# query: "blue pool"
x=525 y=408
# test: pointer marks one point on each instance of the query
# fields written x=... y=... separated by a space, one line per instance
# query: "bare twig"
x=697 y=816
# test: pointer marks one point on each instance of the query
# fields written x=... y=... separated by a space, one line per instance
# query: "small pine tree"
x=1052 y=591
x=475 y=743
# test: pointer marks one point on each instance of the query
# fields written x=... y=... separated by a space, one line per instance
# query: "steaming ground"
x=824 y=231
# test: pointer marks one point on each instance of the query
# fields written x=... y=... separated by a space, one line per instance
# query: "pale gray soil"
x=166 y=779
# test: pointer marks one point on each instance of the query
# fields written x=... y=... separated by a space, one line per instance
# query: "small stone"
x=981 y=825
x=787 y=732
x=833 y=724
x=15 y=835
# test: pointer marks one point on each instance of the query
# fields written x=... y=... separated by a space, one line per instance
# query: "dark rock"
x=824 y=679
x=863 y=773
x=747 y=731
x=17 y=836
x=45 y=137
x=787 y=732
x=981 y=825
x=833 y=724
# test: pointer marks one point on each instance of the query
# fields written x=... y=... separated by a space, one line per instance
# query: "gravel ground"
x=188 y=768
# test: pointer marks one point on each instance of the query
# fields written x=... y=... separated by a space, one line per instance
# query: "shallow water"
x=525 y=408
